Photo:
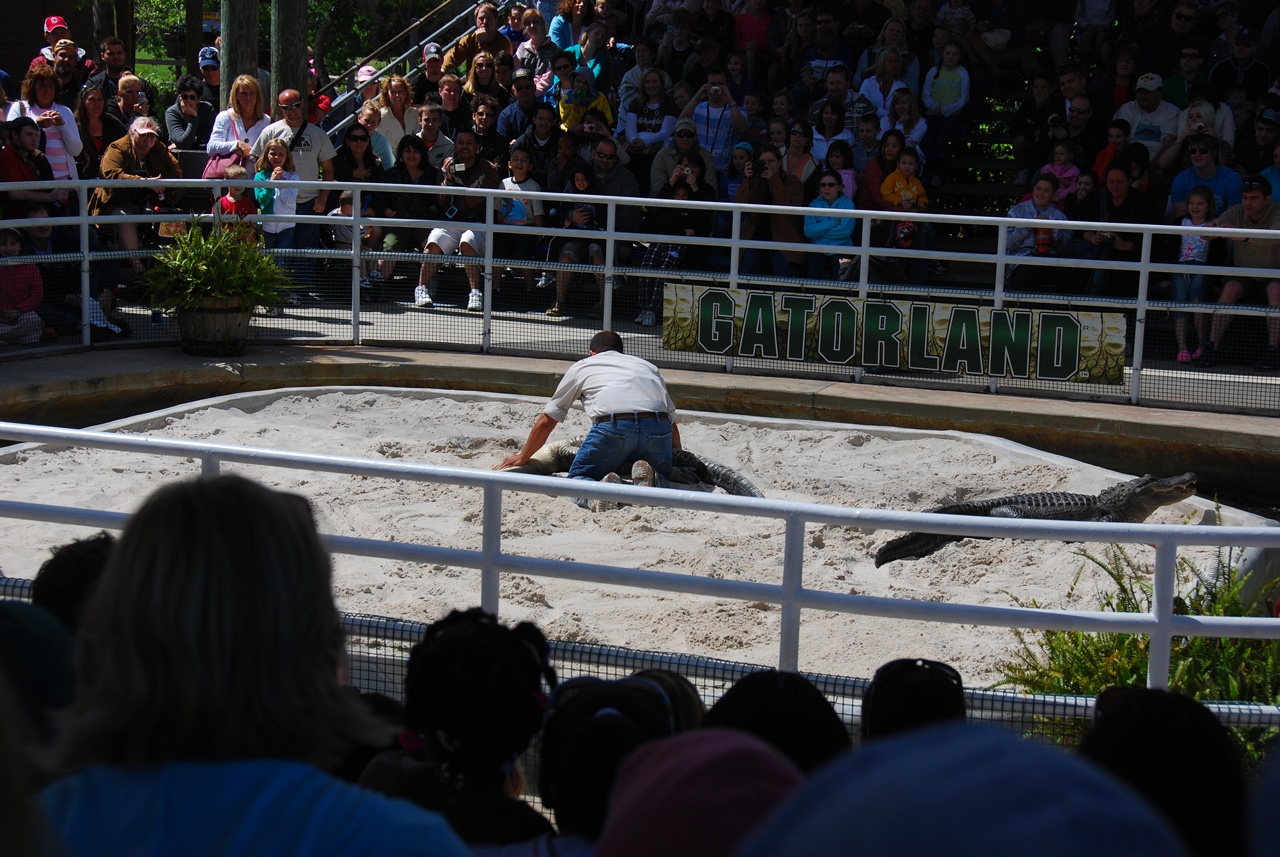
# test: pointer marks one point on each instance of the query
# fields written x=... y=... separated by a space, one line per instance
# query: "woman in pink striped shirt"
x=62 y=136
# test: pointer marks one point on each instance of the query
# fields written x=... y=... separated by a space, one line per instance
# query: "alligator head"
x=1134 y=501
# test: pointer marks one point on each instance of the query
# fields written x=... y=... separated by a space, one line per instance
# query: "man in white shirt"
x=1154 y=121
x=313 y=155
x=633 y=419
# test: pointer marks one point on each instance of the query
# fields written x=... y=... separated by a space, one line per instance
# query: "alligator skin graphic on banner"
x=904 y=335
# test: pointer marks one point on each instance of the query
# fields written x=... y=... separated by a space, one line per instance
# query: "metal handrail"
x=1160 y=624
x=862 y=252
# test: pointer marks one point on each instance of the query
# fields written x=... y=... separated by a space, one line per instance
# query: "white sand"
x=824 y=463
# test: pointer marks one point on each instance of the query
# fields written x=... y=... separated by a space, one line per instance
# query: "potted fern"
x=213 y=279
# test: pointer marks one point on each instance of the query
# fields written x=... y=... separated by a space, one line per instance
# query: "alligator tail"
x=913 y=546
x=731 y=481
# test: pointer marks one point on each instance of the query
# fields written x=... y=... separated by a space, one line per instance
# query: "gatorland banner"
x=906 y=335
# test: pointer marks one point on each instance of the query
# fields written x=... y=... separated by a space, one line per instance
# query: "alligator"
x=688 y=468
x=1129 y=502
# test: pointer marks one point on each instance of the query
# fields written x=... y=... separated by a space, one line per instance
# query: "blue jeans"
x=615 y=446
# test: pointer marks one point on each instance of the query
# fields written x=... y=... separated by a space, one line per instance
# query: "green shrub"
x=1076 y=663
x=216 y=263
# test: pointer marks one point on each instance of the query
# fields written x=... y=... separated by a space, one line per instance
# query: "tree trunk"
x=239 y=45
x=318 y=49
x=122 y=12
x=103 y=26
x=288 y=48
x=194 y=41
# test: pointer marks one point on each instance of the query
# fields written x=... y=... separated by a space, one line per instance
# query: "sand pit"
x=815 y=462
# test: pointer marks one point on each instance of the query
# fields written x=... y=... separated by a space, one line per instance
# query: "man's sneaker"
x=606 y=505
x=649 y=319
x=375 y=276
x=555 y=311
x=546 y=280
x=642 y=474
x=1270 y=361
x=1210 y=356
x=293 y=300
x=422 y=296
x=640 y=317
x=475 y=301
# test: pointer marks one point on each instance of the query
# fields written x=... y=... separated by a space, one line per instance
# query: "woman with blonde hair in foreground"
x=208 y=704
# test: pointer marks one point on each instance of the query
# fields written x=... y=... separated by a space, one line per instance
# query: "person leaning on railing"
x=137 y=156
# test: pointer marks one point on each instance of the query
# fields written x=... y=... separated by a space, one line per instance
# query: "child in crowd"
x=866 y=143
x=840 y=159
x=945 y=94
x=1061 y=165
x=236 y=205
x=828 y=230
x=519 y=211
x=21 y=291
x=1194 y=250
x=740 y=85
x=902 y=189
x=1117 y=139
x=343 y=231
x=757 y=128
x=904 y=114
x=730 y=180
x=276 y=164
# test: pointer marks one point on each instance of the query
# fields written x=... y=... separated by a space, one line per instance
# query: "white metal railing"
x=1161 y=624
x=862 y=251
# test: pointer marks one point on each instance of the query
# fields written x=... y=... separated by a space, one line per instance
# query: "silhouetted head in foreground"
x=910 y=693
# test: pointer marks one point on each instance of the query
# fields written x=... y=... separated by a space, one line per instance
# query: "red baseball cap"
x=53 y=22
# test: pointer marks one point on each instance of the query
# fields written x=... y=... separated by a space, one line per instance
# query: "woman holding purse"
x=236 y=129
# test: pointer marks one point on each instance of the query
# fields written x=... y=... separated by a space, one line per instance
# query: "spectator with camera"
x=464 y=170
x=717 y=119
x=1079 y=126
x=683 y=142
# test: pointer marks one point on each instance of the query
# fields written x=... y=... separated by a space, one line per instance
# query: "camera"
x=142 y=97
x=457 y=167
x=757 y=167
x=1199 y=126
x=688 y=171
x=1056 y=122
x=715 y=90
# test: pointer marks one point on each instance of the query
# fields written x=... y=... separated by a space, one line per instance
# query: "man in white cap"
x=1154 y=121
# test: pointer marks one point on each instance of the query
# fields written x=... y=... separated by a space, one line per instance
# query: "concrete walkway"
x=1229 y=452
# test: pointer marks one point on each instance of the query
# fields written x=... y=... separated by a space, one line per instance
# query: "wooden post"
x=288 y=49
x=194 y=41
x=123 y=10
x=239 y=44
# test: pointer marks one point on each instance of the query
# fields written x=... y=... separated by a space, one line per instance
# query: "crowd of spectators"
x=182 y=690
x=769 y=95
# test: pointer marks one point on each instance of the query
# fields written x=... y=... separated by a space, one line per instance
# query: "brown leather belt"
x=634 y=416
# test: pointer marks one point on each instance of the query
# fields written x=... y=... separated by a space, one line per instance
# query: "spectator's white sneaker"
x=475 y=301
x=649 y=319
x=546 y=281
x=422 y=296
x=598 y=506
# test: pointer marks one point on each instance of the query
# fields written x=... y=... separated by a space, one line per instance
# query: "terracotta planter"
x=215 y=327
